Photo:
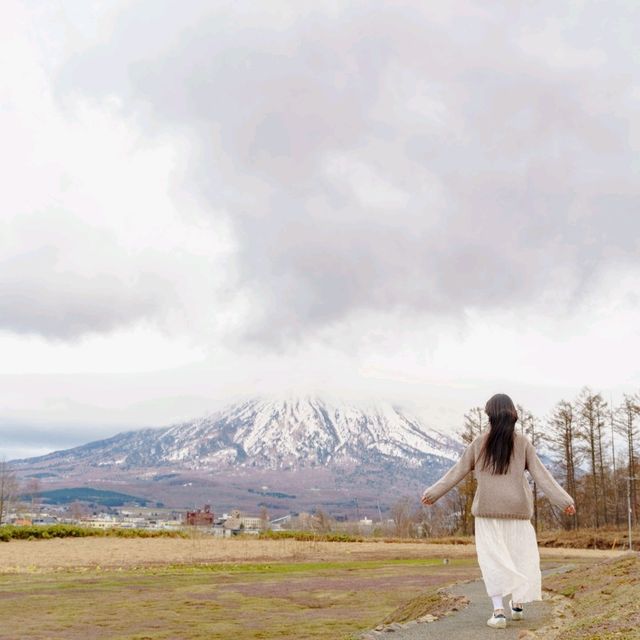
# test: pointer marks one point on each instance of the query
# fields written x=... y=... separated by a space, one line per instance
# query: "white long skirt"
x=509 y=559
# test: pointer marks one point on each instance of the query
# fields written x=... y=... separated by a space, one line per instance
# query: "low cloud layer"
x=377 y=156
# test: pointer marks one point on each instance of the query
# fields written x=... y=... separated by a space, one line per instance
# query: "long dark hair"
x=498 y=445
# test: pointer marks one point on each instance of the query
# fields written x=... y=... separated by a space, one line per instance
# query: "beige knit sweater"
x=503 y=496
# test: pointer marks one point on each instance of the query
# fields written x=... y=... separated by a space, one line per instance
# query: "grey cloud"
x=499 y=160
x=36 y=297
x=47 y=290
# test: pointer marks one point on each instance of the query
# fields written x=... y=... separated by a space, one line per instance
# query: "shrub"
x=44 y=532
x=309 y=535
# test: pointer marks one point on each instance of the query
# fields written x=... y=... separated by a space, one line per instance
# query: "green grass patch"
x=283 y=601
x=286 y=567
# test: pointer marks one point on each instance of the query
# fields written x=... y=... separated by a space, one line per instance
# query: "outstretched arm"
x=450 y=479
x=543 y=478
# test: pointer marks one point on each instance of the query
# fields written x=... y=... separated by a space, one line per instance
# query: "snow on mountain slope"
x=272 y=434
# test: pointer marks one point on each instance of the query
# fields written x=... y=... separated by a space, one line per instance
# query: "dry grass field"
x=64 y=553
x=183 y=589
x=605 y=600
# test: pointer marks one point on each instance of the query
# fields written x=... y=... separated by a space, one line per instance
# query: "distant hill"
x=86 y=494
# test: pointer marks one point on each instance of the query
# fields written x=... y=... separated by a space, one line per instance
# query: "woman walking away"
x=503 y=507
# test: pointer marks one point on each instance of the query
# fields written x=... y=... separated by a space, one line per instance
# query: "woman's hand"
x=570 y=510
x=426 y=500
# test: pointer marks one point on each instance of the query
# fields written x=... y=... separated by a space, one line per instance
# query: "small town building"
x=201 y=517
x=236 y=523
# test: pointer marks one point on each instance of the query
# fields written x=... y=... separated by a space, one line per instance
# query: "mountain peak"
x=286 y=432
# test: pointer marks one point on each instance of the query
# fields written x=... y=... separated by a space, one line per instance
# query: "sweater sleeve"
x=450 y=479
x=543 y=478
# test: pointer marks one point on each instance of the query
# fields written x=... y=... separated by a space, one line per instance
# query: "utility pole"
x=613 y=458
x=629 y=510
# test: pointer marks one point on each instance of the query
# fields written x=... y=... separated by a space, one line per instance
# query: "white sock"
x=497 y=602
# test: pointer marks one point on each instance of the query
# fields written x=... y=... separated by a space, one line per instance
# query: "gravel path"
x=470 y=623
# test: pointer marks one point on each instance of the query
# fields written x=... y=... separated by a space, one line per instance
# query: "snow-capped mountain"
x=271 y=434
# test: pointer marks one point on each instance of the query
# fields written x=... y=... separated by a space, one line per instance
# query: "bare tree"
x=627 y=424
x=8 y=490
x=32 y=491
x=529 y=427
x=590 y=409
x=522 y=423
x=475 y=423
x=423 y=518
x=402 y=517
x=440 y=519
x=322 y=522
x=601 y=412
x=562 y=435
x=614 y=475
x=77 y=510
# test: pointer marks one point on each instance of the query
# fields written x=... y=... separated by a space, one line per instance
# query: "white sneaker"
x=516 y=614
x=497 y=621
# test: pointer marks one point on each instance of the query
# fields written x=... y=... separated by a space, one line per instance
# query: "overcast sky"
x=422 y=202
